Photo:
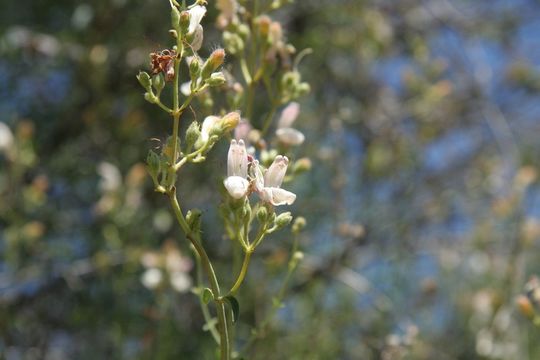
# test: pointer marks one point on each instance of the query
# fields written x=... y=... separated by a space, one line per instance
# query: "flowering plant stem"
x=212 y=278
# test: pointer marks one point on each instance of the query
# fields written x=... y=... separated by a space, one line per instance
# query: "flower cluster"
x=267 y=185
x=256 y=164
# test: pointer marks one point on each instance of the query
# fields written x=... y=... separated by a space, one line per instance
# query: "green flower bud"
x=144 y=79
x=262 y=214
x=150 y=97
x=194 y=69
x=283 y=220
x=175 y=18
x=193 y=133
x=184 y=22
x=158 y=82
x=154 y=165
x=216 y=79
x=303 y=89
x=233 y=42
x=216 y=59
x=301 y=165
x=243 y=31
x=193 y=218
x=299 y=224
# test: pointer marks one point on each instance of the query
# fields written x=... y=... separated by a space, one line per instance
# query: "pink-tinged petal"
x=277 y=196
x=237 y=159
x=276 y=172
x=290 y=136
x=289 y=115
x=236 y=186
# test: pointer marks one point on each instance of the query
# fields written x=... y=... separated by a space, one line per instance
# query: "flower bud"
x=262 y=214
x=158 y=82
x=233 y=42
x=193 y=218
x=216 y=79
x=150 y=97
x=299 y=224
x=302 y=165
x=230 y=121
x=192 y=135
x=303 y=89
x=184 y=22
x=194 y=69
x=154 y=166
x=216 y=59
x=144 y=79
x=283 y=219
x=298 y=255
x=243 y=31
x=175 y=18
x=263 y=23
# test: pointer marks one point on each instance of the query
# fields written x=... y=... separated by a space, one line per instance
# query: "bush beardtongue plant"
x=267 y=70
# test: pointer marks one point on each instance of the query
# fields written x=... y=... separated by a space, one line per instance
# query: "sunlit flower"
x=208 y=123
x=195 y=28
x=237 y=163
x=269 y=185
x=285 y=133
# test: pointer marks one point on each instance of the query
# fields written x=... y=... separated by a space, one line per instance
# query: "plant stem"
x=243 y=272
x=204 y=307
x=214 y=285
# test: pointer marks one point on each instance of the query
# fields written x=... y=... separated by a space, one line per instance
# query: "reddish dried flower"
x=163 y=61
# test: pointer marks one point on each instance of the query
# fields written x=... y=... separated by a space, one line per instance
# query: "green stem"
x=243 y=272
x=204 y=307
x=214 y=285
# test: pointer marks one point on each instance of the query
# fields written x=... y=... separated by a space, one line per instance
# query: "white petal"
x=276 y=172
x=236 y=186
x=289 y=115
x=257 y=174
x=185 y=88
x=196 y=14
x=207 y=126
x=237 y=159
x=290 y=136
x=277 y=196
x=111 y=178
x=198 y=37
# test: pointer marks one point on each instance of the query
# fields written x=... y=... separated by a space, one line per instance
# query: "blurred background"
x=423 y=203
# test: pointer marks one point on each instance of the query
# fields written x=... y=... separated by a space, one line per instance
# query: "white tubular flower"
x=269 y=187
x=196 y=14
x=285 y=133
x=207 y=125
x=237 y=163
x=195 y=28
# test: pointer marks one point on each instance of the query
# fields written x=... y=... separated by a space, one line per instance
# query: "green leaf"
x=235 y=306
x=207 y=295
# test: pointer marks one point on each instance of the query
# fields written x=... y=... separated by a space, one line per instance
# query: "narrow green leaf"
x=235 y=306
x=207 y=295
